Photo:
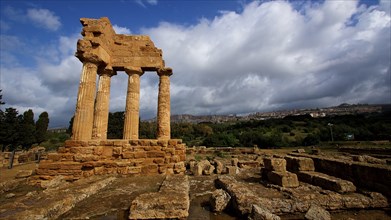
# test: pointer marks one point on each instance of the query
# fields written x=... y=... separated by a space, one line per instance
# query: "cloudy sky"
x=228 y=56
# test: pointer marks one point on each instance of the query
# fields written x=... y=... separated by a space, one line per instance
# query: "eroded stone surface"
x=219 y=200
x=172 y=201
x=299 y=199
x=327 y=182
x=52 y=202
x=259 y=213
x=317 y=213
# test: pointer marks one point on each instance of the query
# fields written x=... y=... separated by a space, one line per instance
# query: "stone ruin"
x=89 y=152
x=257 y=185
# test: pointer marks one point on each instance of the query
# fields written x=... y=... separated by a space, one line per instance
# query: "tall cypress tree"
x=27 y=129
x=41 y=127
x=10 y=134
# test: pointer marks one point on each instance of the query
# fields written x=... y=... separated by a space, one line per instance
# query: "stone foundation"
x=369 y=176
x=79 y=159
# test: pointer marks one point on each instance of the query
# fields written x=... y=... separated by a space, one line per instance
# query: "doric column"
x=83 y=120
x=163 y=107
x=101 y=114
x=132 y=109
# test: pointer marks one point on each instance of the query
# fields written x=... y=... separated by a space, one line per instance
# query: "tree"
x=41 y=128
x=221 y=140
x=27 y=130
x=1 y=98
x=311 y=139
x=116 y=125
x=69 y=130
x=11 y=132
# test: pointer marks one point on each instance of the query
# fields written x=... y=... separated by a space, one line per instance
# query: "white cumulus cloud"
x=44 y=18
x=121 y=30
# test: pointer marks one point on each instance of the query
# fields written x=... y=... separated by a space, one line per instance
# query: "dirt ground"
x=9 y=174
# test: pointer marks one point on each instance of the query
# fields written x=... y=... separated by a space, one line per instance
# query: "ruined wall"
x=86 y=158
x=22 y=157
x=373 y=177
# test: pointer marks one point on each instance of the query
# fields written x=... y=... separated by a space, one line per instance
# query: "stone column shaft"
x=163 y=108
x=101 y=114
x=132 y=109
x=83 y=120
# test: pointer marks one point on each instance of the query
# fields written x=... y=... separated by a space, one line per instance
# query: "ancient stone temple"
x=89 y=152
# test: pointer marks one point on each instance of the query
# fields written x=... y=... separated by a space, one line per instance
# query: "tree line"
x=20 y=131
x=290 y=131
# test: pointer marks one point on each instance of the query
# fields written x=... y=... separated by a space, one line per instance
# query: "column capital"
x=134 y=70
x=108 y=70
x=166 y=71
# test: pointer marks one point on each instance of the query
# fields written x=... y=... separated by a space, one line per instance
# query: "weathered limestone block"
x=23 y=174
x=76 y=143
x=85 y=157
x=155 y=154
x=203 y=167
x=234 y=162
x=208 y=170
x=197 y=170
x=295 y=164
x=134 y=170
x=275 y=164
x=244 y=164
x=179 y=168
x=260 y=213
x=317 y=213
x=300 y=150
x=171 y=202
x=284 y=179
x=232 y=170
x=219 y=166
x=60 y=165
x=219 y=200
x=368 y=159
x=81 y=150
x=259 y=159
x=327 y=182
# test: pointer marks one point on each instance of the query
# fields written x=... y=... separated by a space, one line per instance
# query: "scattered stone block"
x=219 y=200
x=327 y=182
x=232 y=170
x=244 y=164
x=295 y=164
x=284 y=179
x=24 y=174
x=9 y=195
x=208 y=169
x=259 y=159
x=315 y=151
x=275 y=164
x=234 y=162
x=368 y=159
x=197 y=170
x=317 y=213
x=219 y=166
x=259 y=213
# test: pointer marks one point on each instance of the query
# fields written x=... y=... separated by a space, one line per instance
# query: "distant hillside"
x=343 y=109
